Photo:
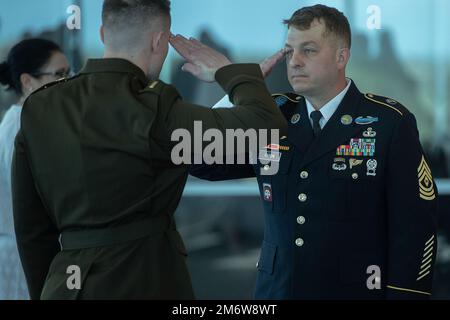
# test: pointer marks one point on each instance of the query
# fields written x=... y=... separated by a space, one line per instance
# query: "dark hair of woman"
x=28 y=56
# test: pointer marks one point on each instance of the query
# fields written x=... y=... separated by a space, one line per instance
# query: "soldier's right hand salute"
x=201 y=61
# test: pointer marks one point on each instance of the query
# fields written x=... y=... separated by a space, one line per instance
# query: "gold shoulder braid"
x=387 y=102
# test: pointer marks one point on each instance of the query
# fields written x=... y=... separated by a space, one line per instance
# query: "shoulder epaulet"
x=282 y=98
x=386 y=102
x=154 y=87
x=51 y=84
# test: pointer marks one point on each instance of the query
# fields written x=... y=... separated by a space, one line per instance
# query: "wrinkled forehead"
x=316 y=33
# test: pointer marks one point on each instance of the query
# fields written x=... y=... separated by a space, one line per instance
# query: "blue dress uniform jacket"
x=350 y=214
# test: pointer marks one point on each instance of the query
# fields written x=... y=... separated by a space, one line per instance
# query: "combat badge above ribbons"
x=366 y=120
x=426 y=184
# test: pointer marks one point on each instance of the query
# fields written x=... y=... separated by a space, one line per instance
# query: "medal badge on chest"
x=369 y=133
x=339 y=164
x=372 y=167
x=366 y=120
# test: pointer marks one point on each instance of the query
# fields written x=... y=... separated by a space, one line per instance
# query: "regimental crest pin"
x=267 y=192
x=346 y=120
x=392 y=102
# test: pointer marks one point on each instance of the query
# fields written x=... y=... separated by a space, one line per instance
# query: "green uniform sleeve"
x=255 y=108
x=36 y=235
x=412 y=221
x=244 y=83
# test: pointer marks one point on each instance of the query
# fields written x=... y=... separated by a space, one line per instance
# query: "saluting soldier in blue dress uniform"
x=350 y=214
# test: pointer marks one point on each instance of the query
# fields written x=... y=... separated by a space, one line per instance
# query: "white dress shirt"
x=330 y=108
x=223 y=103
x=327 y=110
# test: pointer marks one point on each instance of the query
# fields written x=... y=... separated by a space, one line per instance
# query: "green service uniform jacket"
x=94 y=185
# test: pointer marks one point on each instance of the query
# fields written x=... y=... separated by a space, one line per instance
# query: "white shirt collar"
x=330 y=108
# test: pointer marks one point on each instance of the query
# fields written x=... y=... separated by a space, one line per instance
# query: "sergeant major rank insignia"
x=426 y=185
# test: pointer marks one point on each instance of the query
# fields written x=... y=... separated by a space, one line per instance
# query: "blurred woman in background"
x=30 y=64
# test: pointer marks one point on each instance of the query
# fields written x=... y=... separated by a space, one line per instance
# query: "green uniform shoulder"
x=283 y=99
x=54 y=83
x=388 y=104
x=155 y=87
x=42 y=92
x=160 y=88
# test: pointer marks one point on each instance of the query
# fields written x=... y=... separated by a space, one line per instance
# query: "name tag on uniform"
x=265 y=155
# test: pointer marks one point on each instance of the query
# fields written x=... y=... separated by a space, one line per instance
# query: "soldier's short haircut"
x=336 y=23
x=117 y=14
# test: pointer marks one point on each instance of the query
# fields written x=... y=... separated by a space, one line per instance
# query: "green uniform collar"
x=114 y=65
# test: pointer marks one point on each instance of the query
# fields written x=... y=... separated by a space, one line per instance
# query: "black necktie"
x=316 y=116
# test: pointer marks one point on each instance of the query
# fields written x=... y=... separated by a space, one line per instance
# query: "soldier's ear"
x=157 y=41
x=343 y=56
x=102 y=34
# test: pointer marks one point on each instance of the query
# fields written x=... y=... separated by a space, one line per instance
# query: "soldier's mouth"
x=300 y=76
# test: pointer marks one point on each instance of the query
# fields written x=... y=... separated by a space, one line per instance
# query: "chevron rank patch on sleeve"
x=426 y=185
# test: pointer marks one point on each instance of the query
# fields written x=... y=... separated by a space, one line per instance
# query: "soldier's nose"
x=296 y=61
